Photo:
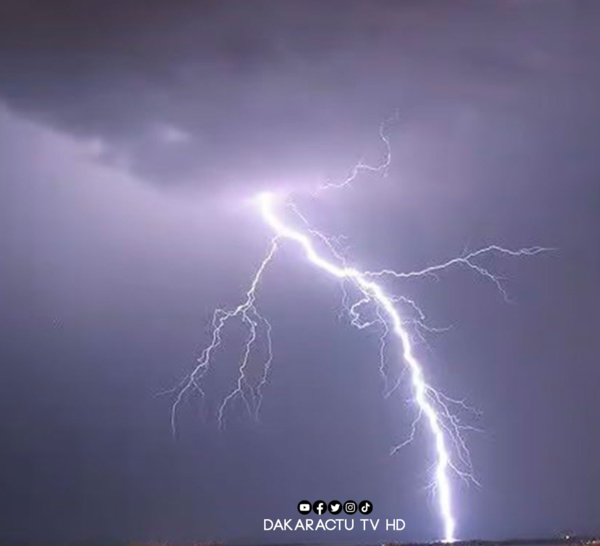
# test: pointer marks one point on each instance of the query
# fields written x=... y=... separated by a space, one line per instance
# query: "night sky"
x=132 y=136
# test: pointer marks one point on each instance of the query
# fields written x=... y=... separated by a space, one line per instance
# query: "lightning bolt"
x=247 y=312
x=373 y=292
x=438 y=410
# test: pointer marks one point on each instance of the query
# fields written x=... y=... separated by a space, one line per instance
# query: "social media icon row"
x=335 y=507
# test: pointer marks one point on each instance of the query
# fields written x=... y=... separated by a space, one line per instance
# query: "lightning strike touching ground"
x=373 y=291
x=392 y=314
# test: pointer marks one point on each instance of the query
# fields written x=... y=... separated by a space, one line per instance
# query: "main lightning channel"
x=371 y=289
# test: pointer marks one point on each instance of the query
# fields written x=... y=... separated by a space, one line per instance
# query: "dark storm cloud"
x=246 y=92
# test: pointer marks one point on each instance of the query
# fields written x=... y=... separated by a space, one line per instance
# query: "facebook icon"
x=319 y=507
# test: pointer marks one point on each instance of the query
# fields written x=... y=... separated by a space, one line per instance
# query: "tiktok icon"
x=365 y=507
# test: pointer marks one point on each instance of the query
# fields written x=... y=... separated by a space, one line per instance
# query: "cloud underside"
x=227 y=95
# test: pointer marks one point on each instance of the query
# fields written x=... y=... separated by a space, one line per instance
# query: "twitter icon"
x=335 y=507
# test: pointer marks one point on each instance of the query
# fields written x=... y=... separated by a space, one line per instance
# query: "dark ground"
x=571 y=541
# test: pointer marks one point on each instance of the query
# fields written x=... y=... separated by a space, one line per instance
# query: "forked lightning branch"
x=366 y=295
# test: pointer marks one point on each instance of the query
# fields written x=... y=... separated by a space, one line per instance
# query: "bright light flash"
x=374 y=291
x=444 y=426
